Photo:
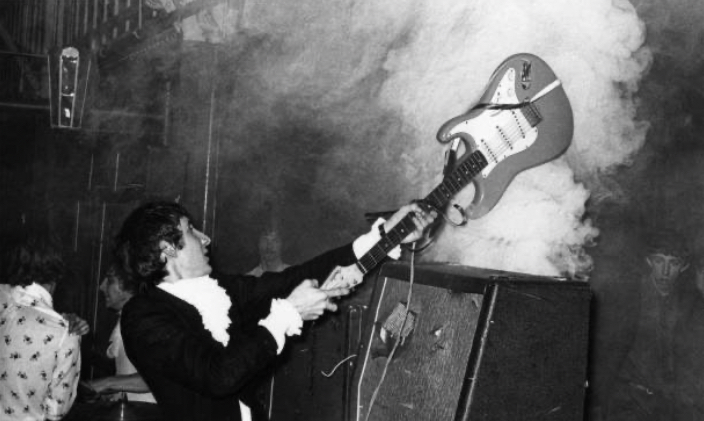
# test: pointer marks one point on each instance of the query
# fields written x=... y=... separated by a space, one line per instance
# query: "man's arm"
x=64 y=379
x=133 y=383
x=254 y=294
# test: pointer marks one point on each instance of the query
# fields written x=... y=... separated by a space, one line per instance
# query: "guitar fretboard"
x=437 y=199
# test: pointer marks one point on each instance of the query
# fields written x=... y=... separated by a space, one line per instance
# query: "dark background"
x=299 y=118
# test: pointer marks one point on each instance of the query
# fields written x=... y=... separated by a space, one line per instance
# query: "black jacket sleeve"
x=254 y=294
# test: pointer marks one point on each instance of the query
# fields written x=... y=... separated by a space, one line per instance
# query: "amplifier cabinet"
x=473 y=345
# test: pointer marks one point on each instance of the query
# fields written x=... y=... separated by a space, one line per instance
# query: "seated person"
x=118 y=289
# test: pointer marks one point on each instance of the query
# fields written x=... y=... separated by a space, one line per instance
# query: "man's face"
x=270 y=248
x=115 y=296
x=665 y=269
x=191 y=260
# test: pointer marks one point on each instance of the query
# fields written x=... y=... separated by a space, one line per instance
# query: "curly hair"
x=116 y=273
x=137 y=245
x=36 y=258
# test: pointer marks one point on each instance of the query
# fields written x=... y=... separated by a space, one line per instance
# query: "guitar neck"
x=437 y=199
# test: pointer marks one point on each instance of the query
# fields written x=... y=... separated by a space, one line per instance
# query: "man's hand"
x=76 y=325
x=422 y=219
x=311 y=302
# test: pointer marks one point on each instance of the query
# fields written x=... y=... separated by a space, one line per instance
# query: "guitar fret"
x=434 y=201
x=445 y=191
x=438 y=198
x=451 y=181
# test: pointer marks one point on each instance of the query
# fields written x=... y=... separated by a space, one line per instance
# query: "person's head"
x=270 y=247
x=117 y=287
x=667 y=257
x=158 y=242
x=36 y=258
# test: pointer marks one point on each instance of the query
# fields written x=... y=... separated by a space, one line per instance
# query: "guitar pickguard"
x=524 y=119
x=499 y=134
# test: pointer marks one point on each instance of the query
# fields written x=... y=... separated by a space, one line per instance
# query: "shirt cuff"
x=283 y=320
x=365 y=242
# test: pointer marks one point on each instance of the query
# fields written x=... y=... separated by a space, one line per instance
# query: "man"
x=40 y=358
x=645 y=387
x=199 y=342
x=118 y=290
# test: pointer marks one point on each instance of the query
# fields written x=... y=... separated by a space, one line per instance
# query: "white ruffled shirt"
x=209 y=298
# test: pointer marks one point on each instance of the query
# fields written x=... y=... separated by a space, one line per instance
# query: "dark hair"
x=668 y=242
x=137 y=249
x=116 y=273
x=36 y=257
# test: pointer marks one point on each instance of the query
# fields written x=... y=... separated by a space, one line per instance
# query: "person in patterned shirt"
x=40 y=359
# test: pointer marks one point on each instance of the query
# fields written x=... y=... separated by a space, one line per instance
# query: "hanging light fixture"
x=69 y=70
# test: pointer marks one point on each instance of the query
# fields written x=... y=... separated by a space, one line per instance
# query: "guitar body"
x=523 y=119
x=519 y=78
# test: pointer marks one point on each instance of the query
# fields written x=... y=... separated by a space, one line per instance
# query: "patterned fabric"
x=123 y=365
x=40 y=362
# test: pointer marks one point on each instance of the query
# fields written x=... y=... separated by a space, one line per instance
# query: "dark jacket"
x=192 y=376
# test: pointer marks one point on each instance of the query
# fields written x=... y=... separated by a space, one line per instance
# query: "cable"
x=398 y=341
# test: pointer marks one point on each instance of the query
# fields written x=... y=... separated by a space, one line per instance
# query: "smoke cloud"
x=364 y=86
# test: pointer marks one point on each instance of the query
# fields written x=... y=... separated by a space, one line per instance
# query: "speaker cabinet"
x=473 y=344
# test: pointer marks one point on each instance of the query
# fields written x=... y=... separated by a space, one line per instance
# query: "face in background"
x=190 y=259
x=699 y=278
x=270 y=247
x=115 y=296
x=664 y=271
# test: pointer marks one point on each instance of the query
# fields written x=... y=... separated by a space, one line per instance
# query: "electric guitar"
x=522 y=120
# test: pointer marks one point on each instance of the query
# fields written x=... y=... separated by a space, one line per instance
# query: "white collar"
x=32 y=295
x=209 y=298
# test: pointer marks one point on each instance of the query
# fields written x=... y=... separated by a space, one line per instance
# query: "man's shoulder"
x=47 y=318
x=229 y=281
x=46 y=329
x=143 y=301
x=156 y=305
x=223 y=277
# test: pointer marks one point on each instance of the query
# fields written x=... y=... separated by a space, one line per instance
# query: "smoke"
x=360 y=89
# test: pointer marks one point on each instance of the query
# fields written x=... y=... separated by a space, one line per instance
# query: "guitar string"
x=512 y=133
x=375 y=394
x=511 y=127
